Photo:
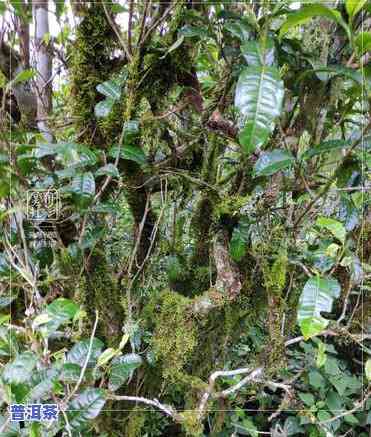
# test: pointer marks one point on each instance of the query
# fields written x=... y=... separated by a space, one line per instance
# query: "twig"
x=117 y=32
x=83 y=370
x=253 y=374
x=130 y=24
x=167 y=409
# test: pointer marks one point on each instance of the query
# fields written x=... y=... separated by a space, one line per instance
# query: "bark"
x=43 y=67
x=23 y=30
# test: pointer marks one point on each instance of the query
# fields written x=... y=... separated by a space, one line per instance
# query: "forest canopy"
x=185 y=218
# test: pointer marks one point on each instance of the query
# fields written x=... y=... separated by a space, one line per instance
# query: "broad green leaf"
x=110 y=89
x=109 y=170
x=254 y=54
x=258 y=97
x=317 y=296
x=121 y=369
x=247 y=427
x=79 y=352
x=24 y=76
x=334 y=70
x=239 y=29
x=316 y=380
x=326 y=146
x=238 y=244
x=85 y=407
x=58 y=312
x=272 y=162
x=174 y=46
x=131 y=153
x=70 y=372
x=83 y=185
x=70 y=154
x=131 y=131
x=103 y=108
x=45 y=385
x=307 y=398
x=354 y=6
x=20 y=369
x=363 y=42
x=310 y=11
x=368 y=369
x=335 y=227
x=106 y=356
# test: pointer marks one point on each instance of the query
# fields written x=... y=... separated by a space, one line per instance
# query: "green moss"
x=175 y=335
x=191 y=424
x=230 y=205
x=90 y=64
x=135 y=423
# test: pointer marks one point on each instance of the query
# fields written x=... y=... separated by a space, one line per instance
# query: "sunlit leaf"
x=272 y=162
x=317 y=296
x=258 y=97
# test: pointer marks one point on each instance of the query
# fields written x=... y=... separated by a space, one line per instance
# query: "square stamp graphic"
x=43 y=205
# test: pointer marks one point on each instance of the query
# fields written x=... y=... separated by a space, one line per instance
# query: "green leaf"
x=110 y=89
x=174 y=46
x=83 y=184
x=238 y=244
x=363 y=42
x=24 y=76
x=107 y=355
x=316 y=380
x=247 y=427
x=317 y=296
x=79 y=352
x=258 y=97
x=326 y=146
x=45 y=386
x=368 y=369
x=85 y=408
x=103 y=108
x=20 y=369
x=70 y=372
x=131 y=131
x=131 y=153
x=272 y=162
x=239 y=29
x=354 y=6
x=310 y=11
x=307 y=398
x=335 y=227
x=321 y=354
x=109 y=170
x=335 y=70
x=121 y=369
x=254 y=54
x=58 y=312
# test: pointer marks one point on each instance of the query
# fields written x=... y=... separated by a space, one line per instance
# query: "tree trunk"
x=43 y=67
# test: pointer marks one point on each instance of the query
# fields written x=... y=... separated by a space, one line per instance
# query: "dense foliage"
x=208 y=271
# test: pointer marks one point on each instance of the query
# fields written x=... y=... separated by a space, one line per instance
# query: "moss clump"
x=135 y=424
x=230 y=206
x=90 y=65
x=191 y=423
x=175 y=334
